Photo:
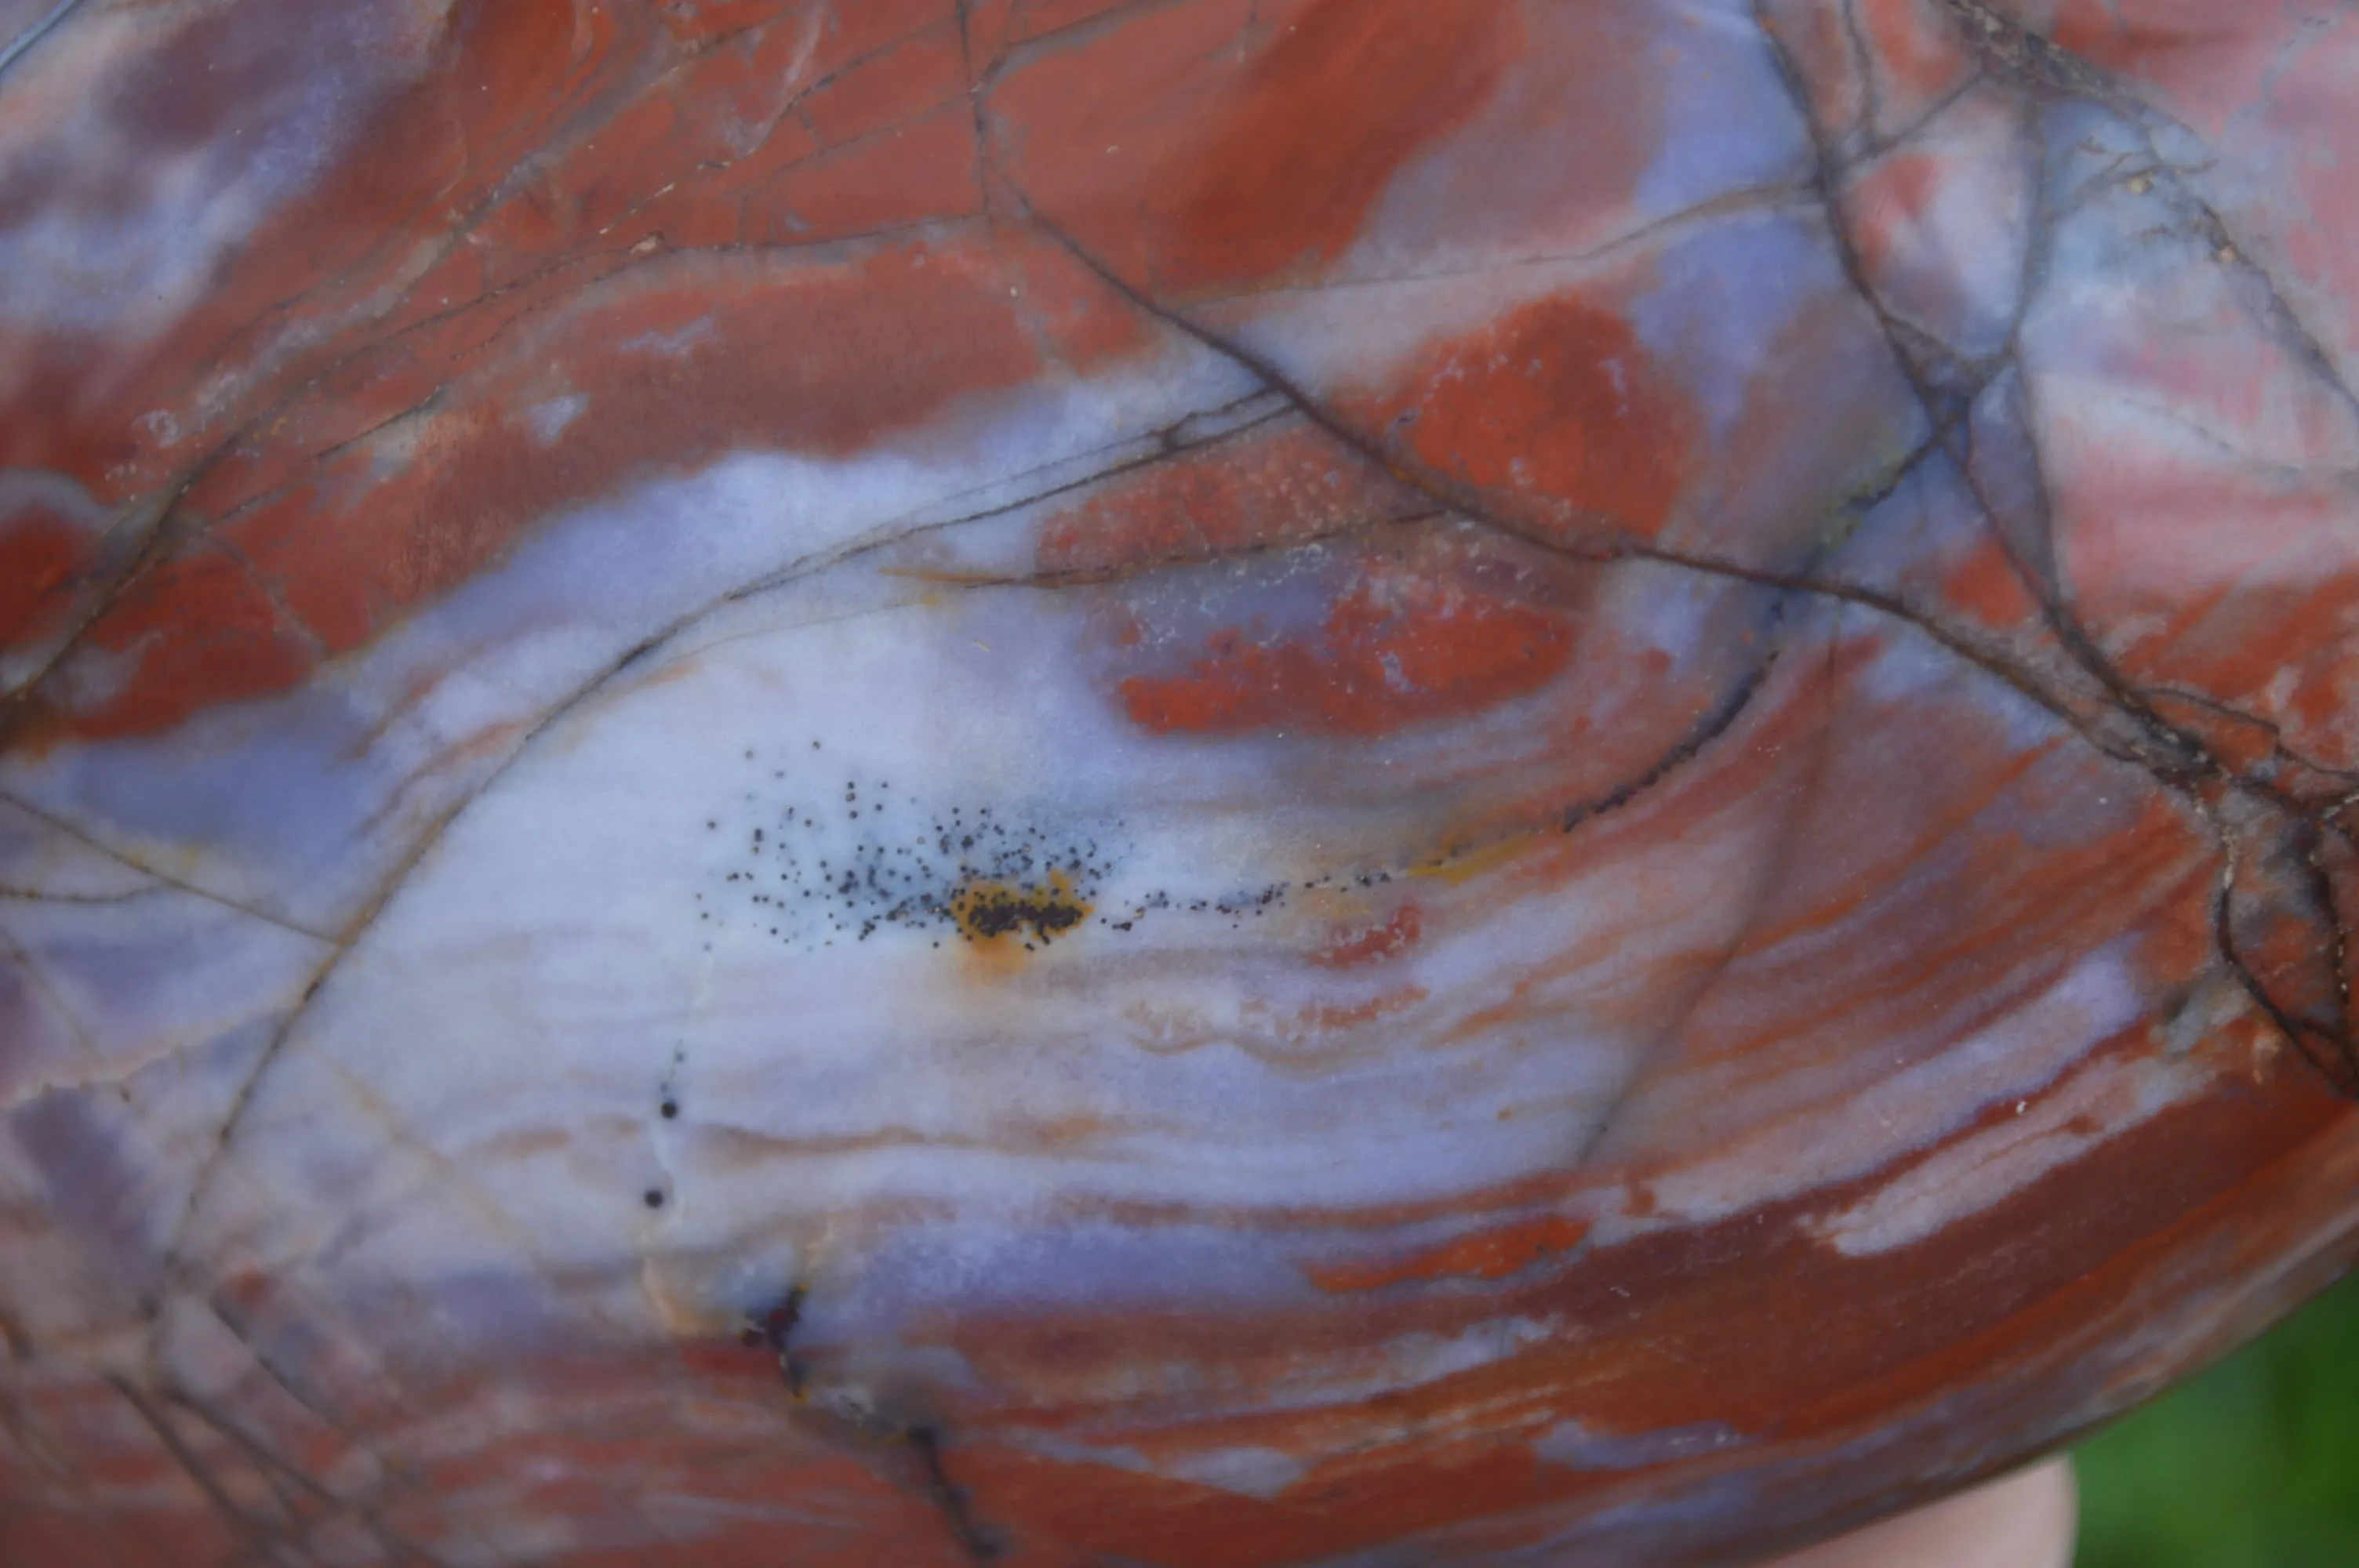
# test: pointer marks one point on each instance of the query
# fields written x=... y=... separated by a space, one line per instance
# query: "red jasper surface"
x=1222 y=783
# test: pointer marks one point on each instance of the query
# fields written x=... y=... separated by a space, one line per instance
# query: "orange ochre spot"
x=989 y=911
x=1395 y=650
x=1491 y=1254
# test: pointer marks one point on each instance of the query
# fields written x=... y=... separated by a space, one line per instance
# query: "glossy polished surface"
x=1205 y=783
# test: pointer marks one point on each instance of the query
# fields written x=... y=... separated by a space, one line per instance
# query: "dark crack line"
x=178 y=1271
x=980 y=1544
x=23 y=43
x=1164 y=452
x=2343 y=477
x=1176 y=561
x=2306 y=35
x=166 y=527
x=1862 y=57
x=1824 y=185
x=622 y=259
x=1066 y=35
x=1935 y=444
x=150 y=522
x=587 y=117
x=1955 y=433
x=1602 y=548
x=2275 y=731
x=212 y=529
x=2176 y=753
x=14 y=894
x=392 y=1477
x=2183 y=756
x=2320 y=888
x=281 y=1473
x=41 y=985
x=2184 y=761
x=2048 y=67
x=1716 y=724
x=176 y=1264
x=168 y=532
x=2186 y=758
x=579 y=115
x=2278 y=313
x=1770 y=198
x=1883 y=145
x=2297 y=1031
x=2031 y=56
x=273 y=593
x=258 y=1532
x=773 y=1329
x=2182 y=767
x=164 y=879
x=2178 y=775
x=2042 y=579
x=17 y=1421
x=288 y=1490
x=1710 y=728
x=1651 y=1058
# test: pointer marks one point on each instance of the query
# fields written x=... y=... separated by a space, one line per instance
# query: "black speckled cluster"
x=846 y=857
x=815 y=855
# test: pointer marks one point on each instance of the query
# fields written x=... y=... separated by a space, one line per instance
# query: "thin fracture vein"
x=981 y=1545
x=2223 y=936
x=22 y=44
x=208 y=1170
x=197 y=1470
x=2185 y=762
x=1768 y=876
x=2049 y=67
x=130 y=861
x=1871 y=89
x=1604 y=546
x=40 y=982
x=1670 y=226
x=14 y=894
x=1094 y=577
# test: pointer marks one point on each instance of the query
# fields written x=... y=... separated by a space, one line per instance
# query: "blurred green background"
x=2254 y=1465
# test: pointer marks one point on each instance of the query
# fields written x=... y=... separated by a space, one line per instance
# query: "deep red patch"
x=1556 y=401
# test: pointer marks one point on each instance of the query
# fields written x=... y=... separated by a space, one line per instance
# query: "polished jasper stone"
x=1205 y=783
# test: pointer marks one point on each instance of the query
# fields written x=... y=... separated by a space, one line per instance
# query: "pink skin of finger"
x=2025 y=1521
